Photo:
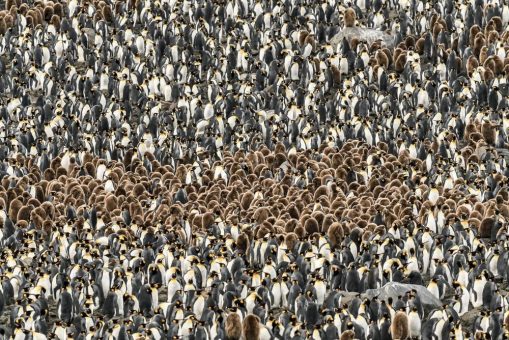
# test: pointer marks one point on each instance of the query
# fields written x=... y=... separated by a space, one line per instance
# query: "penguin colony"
x=218 y=170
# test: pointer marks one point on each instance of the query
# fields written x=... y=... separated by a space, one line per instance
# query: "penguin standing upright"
x=65 y=309
x=145 y=299
x=251 y=327
x=400 y=327
x=233 y=327
x=414 y=323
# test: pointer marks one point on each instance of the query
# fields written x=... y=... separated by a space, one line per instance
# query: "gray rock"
x=366 y=34
x=347 y=297
x=395 y=289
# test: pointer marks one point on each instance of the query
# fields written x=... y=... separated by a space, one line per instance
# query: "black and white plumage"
x=166 y=165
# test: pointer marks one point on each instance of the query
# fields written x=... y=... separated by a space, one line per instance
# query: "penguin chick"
x=55 y=21
x=48 y=13
x=302 y=37
x=246 y=200
x=14 y=209
x=251 y=327
x=9 y=4
x=381 y=59
x=497 y=23
x=472 y=64
x=291 y=240
x=336 y=234
x=242 y=243
x=107 y=13
x=233 y=327
x=486 y=227
x=310 y=40
x=347 y=335
x=24 y=213
x=399 y=326
x=58 y=9
x=350 y=17
x=488 y=132
x=400 y=62
x=311 y=226
x=336 y=74
x=3 y=26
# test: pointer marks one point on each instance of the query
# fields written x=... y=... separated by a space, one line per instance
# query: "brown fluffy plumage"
x=311 y=226
x=242 y=243
x=381 y=59
x=246 y=200
x=347 y=335
x=132 y=4
x=48 y=13
x=336 y=75
x=350 y=17
x=493 y=37
x=336 y=234
x=24 y=213
x=488 y=75
x=110 y=203
x=472 y=64
x=399 y=65
x=251 y=327
x=488 y=131
x=9 y=4
x=291 y=240
x=3 y=26
x=310 y=40
x=473 y=32
x=58 y=9
x=302 y=37
x=233 y=327
x=300 y=231
x=486 y=227
x=497 y=23
x=119 y=7
x=38 y=15
x=410 y=41
x=261 y=214
x=23 y=9
x=14 y=209
x=37 y=220
x=399 y=326
x=470 y=130
x=499 y=64
x=328 y=220
x=437 y=28
x=479 y=42
x=207 y=220
x=9 y=21
x=107 y=13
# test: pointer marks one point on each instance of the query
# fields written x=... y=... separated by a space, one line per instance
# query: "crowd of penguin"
x=198 y=169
